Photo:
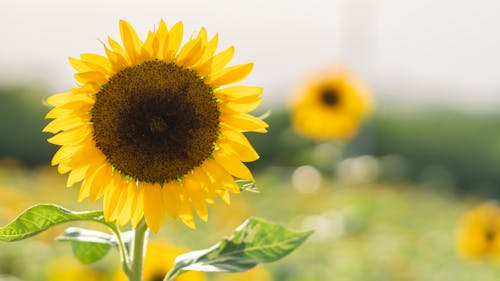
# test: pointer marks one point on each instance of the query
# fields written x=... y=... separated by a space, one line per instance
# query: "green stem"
x=124 y=258
x=140 y=241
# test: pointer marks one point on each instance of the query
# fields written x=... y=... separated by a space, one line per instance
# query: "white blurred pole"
x=358 y=36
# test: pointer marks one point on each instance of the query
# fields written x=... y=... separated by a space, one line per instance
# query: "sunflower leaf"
x=41 y=217
x=88 y=245
x=255 y=241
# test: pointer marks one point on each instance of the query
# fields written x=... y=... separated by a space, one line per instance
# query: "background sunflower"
x=330 y=105
x=478 y=233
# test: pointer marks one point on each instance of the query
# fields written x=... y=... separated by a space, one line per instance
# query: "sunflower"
x=68 y=268
x=478 y=234
x=330 y=105
x=159 y=259
x=153 y=128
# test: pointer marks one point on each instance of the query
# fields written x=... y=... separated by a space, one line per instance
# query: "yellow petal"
x=120 y=211
x=64 y=124
x=174 y=42
x=219 y=176
x=116 y=47
x=73 y=136
x=209 y=51
x=244 y=123
x=242 y=106
x=216 y=63
x=154 y=211
x=196 y=195
x=243 y=152
x=96 y=62
x=233 y=165
x=190 y=53
x=91 y=77
x=64 y=152
x=171 y=198
x=238 y=92
x=111 y=196
x=101 y=180
x=76 y=176
x=78 y=65
x=137 y=207
x=147 y=48
x=118 y=62
x=229 y=75
x=131 y=41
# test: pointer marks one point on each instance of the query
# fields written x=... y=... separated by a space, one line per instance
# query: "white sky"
x=430 y=51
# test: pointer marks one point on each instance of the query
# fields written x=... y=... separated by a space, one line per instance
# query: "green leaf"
x=90 y=246
x=41 y=217
x=87 y=252
x=255 y=241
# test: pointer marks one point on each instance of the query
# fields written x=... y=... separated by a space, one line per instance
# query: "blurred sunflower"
x=478 y=233
x=152 y=127
x=330 y=105
x=68 y=268
x=159 y=259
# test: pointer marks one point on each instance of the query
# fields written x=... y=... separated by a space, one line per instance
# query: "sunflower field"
x=325 y=141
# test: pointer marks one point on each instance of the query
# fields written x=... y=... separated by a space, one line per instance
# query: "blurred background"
x=385 y=204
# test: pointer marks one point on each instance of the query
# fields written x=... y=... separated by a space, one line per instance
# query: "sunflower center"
x=155 y=121
x=159 y=276
x=490 y=235
x=330 y=97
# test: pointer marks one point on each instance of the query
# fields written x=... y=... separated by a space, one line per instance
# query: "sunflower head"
x=153 y=126
x=68 y=268
x=478 y=233
x=159 y=259
x=330 y=105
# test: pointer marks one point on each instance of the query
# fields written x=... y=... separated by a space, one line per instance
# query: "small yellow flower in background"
x=257 y=273
x=68 y=268
x=159 y=259
x=330 y=106
x=478 y=234
x=153 y=127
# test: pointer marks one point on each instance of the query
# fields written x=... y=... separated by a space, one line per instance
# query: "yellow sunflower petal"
x=219 y=176
x=229 y=75
x=91 y=77
x=154 y=211
x=76 y=176
x=196 y=196
x=111 y=196
x=73 y=136
x=137 y=207
x=242 y=152
x=102 y=177
x=64 y=124
x=190 y=53
x=245 y=123
x=122 y=212
x=242 y=105
x=216 y=63
x=171 y=198
x=174 y=42
x=233 y=165
x=238 y=92
x=131 y=41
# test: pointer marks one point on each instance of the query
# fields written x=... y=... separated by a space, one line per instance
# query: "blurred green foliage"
x=22 y=118
x=440 y=147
